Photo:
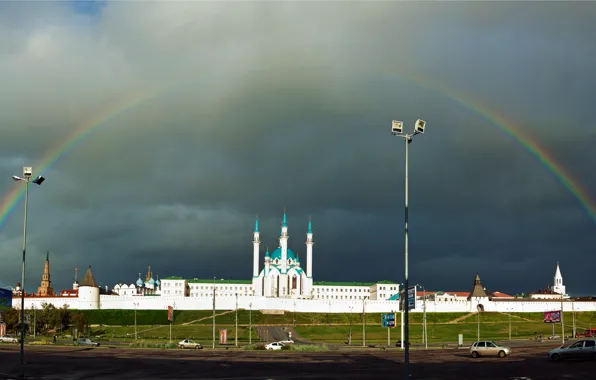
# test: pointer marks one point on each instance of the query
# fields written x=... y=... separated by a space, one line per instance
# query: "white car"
x=8 y=339
x=582 y=349
x=87 y=342
x=274 y=346
x=488 y=348
x=187 y=343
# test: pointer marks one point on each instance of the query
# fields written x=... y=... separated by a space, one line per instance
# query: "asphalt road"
x=65 y=363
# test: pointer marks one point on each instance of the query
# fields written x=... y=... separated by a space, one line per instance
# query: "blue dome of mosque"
x=151 y=281
x=277 y=254
x=139 y=282
x=157 y=282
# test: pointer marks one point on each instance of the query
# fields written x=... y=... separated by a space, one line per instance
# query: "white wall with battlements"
x=224 y=302
x=37 y=302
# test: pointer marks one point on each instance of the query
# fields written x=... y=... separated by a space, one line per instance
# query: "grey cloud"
x=261 y=106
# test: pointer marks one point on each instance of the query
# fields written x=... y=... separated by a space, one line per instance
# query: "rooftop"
x=88 y=280
x=218 y=281
x=330 y=283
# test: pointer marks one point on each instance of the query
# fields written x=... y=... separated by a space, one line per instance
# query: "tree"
x=11 y=318
x=79 y=321
x=64 y=317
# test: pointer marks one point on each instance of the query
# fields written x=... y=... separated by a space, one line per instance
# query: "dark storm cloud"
x=263 y=106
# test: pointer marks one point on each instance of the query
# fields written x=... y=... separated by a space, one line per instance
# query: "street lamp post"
x=27 y=174
x=236 y=333
x=173 y=319
x=397 y=130
x=510 y=324
x=137 y=304
x=213 y=341
x=363 y=323
x=478 y=320
x=250 y=323
x=350 y=335
x=573 y=311
x=562 y=323
x=424 y=329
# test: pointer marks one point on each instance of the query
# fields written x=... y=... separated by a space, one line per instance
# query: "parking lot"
x=63 y=362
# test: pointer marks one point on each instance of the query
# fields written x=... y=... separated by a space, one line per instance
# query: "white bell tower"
x=558 y=286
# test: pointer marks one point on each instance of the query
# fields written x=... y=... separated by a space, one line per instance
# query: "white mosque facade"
x=284 y=285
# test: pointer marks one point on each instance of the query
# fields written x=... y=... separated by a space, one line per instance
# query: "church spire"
x=48 y=256
x=558 y=272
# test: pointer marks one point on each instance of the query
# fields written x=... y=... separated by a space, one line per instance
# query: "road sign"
x=388 y=320
x=2 y=329
x=223 y=336
x=411 y=299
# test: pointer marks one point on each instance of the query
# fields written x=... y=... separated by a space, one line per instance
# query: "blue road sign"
x=388 y=320
x=5 y=299
x=411 y=298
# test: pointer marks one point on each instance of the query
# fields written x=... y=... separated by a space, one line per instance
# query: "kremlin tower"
x=45 y=290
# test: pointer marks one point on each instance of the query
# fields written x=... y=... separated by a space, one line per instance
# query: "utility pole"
x=350 y=335
x=363 y=323
x=562 y=323
x=510 y=325
x=236 y=333
x=136 y=304
x=172 y=321
x=424 y=317
x=250 y=323
x=478 y=318
x=573 y=314
x=213 y=343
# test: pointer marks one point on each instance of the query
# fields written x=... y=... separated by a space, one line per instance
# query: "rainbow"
x=539 y=152
x=53 y=155
x=9 y=202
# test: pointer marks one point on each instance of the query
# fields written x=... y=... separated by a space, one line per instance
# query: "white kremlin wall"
x=90 y=299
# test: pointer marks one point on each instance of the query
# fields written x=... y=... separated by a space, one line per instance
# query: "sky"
x=170 y=126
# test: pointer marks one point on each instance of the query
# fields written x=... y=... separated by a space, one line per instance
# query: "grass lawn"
x=199 y=333
x=324 y=327
x=439 y=332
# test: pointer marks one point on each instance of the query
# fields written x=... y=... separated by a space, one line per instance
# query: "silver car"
x=9 y=339
x=488 y=348
x=582 y=349
x=86 y=342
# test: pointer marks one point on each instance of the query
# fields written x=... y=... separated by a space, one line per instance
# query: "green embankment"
x=323 y=327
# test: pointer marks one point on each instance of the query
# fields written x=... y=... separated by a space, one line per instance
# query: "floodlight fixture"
x=39 y=180
x=420 y=124
x=16 y=178
x=27 y=171
x=397 y=127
